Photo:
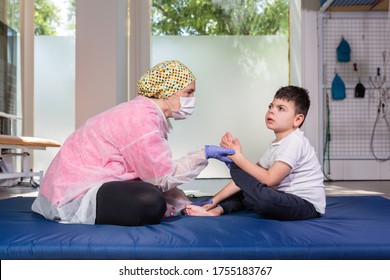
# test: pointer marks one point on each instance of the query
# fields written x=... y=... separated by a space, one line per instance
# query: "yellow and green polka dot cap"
x=165 y=79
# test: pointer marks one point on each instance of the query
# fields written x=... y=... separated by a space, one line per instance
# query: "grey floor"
x=203 y=187
x=208 y=187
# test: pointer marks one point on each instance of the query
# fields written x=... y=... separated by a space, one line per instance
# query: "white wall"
x=295 y=73
x=309 y=68
x=352 y=120
x=139 y=50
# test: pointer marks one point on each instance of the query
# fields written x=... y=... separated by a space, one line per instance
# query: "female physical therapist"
x=118 y=168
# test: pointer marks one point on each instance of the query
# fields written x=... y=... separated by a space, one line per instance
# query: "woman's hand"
x=219 y=153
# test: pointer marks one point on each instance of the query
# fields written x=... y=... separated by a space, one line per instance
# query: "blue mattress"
x=352 y=228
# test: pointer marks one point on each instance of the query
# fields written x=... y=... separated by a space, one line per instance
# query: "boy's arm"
x=271 y=177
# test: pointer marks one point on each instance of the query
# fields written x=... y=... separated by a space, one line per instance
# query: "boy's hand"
x=228 y=141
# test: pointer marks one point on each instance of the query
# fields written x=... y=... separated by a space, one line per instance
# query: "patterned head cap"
x=165 y=79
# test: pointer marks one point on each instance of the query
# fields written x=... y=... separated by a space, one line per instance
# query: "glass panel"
x=10 y=90
x=54 y=87
x=53 y=93
x=9 y=13
x=237 y=77
x=10 y=93
x=238 y=69
x=55 y=17
x=219 y=17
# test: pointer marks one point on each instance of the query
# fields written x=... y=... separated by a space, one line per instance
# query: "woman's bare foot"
x=193 y=210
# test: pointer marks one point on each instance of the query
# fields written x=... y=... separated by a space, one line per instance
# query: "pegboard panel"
x=357 y=131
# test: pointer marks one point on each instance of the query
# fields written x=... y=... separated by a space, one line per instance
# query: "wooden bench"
x=8 y=144
x=24 y=141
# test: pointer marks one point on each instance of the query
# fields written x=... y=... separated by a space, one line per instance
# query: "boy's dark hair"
x=299 y=96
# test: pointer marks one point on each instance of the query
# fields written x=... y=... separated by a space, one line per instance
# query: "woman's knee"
x=129 y=203
x=153 y=199
x=150 y=194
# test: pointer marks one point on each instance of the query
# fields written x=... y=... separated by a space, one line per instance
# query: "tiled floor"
x=381 y=188
x=7 y=192
x=207 y=187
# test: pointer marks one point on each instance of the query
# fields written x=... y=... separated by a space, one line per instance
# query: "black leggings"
x=129 y=203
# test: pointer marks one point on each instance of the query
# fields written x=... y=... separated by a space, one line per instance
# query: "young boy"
x=287 y=182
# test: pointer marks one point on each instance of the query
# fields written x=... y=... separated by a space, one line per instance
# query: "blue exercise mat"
x=353 y=228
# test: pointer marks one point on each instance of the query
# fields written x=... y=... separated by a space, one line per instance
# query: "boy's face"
x=281 y=117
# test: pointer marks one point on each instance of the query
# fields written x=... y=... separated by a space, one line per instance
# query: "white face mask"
x=187 y=107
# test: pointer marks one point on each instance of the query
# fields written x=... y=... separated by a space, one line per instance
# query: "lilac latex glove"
x=219 y=153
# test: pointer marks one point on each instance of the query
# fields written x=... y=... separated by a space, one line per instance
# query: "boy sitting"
x=287 y=182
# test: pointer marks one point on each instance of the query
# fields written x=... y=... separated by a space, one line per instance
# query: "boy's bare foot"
x=193 y=210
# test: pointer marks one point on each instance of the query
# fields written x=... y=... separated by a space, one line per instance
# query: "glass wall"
x=10 y=93
x=54 y=70
x=237 y=72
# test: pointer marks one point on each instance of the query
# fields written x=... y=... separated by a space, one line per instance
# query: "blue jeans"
x=263 y=200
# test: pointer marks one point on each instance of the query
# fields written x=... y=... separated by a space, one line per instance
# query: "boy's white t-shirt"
x=306 y=178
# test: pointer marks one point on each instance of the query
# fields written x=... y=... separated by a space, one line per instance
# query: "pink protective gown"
x=126 y=142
